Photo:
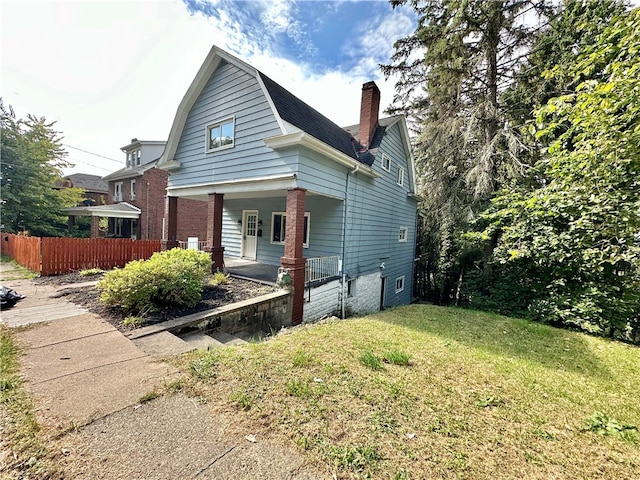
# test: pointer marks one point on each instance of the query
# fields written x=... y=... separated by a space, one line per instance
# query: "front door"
x=249 y=233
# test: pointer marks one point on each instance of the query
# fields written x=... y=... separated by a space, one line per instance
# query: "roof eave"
x=303 y=139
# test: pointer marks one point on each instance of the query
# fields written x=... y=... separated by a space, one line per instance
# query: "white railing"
x=321 y=268
x=191 y=245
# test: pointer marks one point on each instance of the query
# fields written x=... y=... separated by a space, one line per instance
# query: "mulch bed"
x=235 y=290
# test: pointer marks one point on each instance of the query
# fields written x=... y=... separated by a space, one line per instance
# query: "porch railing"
x=193 y=245
x=321 y=268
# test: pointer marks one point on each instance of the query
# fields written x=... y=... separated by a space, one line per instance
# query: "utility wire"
x=91 y=153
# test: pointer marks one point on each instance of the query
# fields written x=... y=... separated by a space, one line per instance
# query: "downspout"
x=344 y=241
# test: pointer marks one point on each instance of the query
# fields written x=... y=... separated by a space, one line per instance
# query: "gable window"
x=279 y=228
x=400 y=284
x=133 y=189
x=402 y=234
x=400 y=177
x=386 y=162
x=117 y=192
x=220 y=135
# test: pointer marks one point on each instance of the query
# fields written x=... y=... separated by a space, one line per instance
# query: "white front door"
x=249 y=233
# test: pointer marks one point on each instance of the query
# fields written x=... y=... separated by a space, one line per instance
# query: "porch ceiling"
x=119 y=210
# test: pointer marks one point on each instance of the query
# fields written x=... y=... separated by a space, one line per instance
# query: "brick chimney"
x=369 y=107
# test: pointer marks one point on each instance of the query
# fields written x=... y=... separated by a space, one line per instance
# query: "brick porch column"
x=172 y=224
x=214 y=231
x=293 y=259
x=95 y=227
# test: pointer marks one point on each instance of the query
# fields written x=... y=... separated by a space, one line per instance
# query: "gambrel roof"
x=293 y=110
x=299 y=123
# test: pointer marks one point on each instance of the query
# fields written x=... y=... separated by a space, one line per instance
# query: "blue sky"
x=108 y=71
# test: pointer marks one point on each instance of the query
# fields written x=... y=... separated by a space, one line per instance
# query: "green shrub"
x=171 y=278
x=219 y=278
x=90 y=272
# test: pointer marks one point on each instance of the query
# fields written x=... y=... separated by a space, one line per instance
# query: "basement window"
x=351 y=288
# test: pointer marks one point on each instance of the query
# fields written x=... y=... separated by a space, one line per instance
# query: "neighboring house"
x=137 y=199
x=286 y=186
x=94 y=188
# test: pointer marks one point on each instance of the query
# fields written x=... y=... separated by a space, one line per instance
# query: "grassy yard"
x=430 y=392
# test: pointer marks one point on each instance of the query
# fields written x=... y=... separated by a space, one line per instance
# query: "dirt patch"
x=236 y=290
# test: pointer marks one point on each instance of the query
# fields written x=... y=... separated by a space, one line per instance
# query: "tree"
x=451 y=72
x=577 y=233
x=32 y=159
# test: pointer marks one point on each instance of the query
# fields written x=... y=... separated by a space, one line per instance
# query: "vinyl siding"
x=230 y=92
x=325 y=231
x=376 y=210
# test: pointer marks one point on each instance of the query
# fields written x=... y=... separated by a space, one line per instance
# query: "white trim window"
x=351 y=287
x=133 y=190
x=400 y=176
x=138 y=154
x=400 y=284
x=385 y=162
x=279 y=227
x=220 y=135
x=402 y=234
x=117 y=192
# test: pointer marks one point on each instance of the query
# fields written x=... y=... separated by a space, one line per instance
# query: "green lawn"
x=432 y=392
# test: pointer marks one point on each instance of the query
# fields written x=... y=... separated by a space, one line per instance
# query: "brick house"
x=136 y=199
x=94 y=188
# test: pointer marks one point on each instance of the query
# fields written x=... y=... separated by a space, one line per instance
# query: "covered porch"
x=123 y=219
x=257 y=229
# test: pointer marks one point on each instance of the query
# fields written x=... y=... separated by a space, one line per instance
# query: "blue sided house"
x=335 y=207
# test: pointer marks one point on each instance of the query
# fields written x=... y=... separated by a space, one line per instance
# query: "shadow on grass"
x=496 y=334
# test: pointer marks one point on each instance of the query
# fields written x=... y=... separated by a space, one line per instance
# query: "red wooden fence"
x=55 y=256
x=24 y=250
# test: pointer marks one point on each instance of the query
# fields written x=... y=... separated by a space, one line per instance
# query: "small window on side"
x=351 y=287
x=402 y=234
x=400 y=284
x=386 y=162
x=400 y=177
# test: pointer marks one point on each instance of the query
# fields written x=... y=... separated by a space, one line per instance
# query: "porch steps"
x=165 y=344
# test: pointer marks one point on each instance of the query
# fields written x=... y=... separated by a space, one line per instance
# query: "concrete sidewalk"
x=86 y=380
x=78 y=367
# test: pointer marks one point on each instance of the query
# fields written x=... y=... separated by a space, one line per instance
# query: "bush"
x=171 y=278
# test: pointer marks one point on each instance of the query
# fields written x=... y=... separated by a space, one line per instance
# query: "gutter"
x=303 y=139
x=344 y=242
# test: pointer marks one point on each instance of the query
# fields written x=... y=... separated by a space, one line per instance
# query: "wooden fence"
x=55 y=256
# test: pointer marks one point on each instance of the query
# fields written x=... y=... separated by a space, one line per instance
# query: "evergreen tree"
x=451 y=72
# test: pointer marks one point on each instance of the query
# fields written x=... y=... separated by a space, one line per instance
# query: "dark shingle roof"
x=293 y=110
x=90 y=183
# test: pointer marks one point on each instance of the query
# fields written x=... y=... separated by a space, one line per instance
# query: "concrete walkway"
x=78 y=367
x=86 y=380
